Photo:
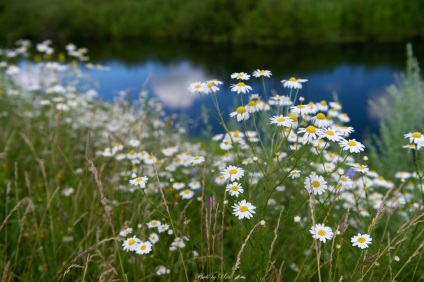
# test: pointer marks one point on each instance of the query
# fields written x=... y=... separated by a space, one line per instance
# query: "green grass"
x=247 y=22
x=50 y=232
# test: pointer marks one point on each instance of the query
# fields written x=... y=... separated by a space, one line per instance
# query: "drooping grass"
x=67 y=160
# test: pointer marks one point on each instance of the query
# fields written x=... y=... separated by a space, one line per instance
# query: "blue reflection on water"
x=354 y=86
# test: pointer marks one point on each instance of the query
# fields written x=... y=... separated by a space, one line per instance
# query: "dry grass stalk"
x=4 y=277
x=237 y=264
x=26 y=201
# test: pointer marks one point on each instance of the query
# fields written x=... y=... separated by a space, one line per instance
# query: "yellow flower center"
x=416 y=135
x=240 y=84
x=138 y=179
x=322 y=232
x=311 y=129
x=361 y=240
x=234 y=188
x=240 y=75
x=132 y=152
x=241 y=110
x=197 y=86
x=143 y=247
x=232 y=171
x=236 y=134
x=351 y=143
x=131 y=242
x=344 y=179
x=323 y=102
x=186 y=191
x=252 y=103
x=320 y=116
x=244 y=208
x=293 y=118
x=281 y=119
x=209 y=85
x=153 y=223
x=116 y=144
x=316 y=183
x=329 y=132
x=361 y=167
x=301 y=106
x=261 y=72
x=292 y=79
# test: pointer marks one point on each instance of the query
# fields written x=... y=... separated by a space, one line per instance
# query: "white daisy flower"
x=186 y=194
x=259 y=73
x=197 y=160
x=178 y=185
x=315 y=183
x=320 y=120
x=163 y=227
x=153 y=224
x=361 y=240
x=310 y=133
x=241 y=88
x=144 y=248
x=125 y=232
x=281 y=121
x=322 y=106
x=153 y=238
x=233 y=173
x=240 y=75
x=293 y=83
x=234 y=189
x=321 y=232
x=295 y=173
x=331 y=134
x=415 y=137
x=199 y=87
x=211 y=87
x=352 y=145
x=241 y=113
x=161 y=270
x=139 y=181
x=299 y=110
x=243 y=209
x=131 y=244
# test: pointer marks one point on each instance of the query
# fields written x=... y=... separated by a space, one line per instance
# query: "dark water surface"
x=357 y=73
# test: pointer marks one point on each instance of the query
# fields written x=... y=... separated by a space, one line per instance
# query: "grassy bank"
x=112 y=191
x=251 y=22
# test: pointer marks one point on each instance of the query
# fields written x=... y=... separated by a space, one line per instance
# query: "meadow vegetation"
x=246 y=22
x=117 y=191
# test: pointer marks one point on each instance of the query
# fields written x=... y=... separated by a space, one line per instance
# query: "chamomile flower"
x=292 y=83
x=315 y=183
x=322 y=106
x=243 y=209
x=415 y=137
x=241 y=88
x=163 y=227
x=139 y=181
x=352 y=145
x=241 y=113
x=240 y=75
x=186 y=194
x=197 y=160
x=153 y=238
x=361 y=240
x=321 y=232
x=251 y=106
x=153 y=224
x=144 y=248
x=310 y=133
x=299 y=110
x=178 y=185
x=360 y=168
x=345 y=130
x=320 y=120
x=215 y=81
x=233 y=173
x=234 y=189
x=162 y=270
x=210 y=88
x=125 y=232
x=331 y=134
x=295 y=173
x=131 y=244
x=281 y=121
x=259 y=73
x=199 y=87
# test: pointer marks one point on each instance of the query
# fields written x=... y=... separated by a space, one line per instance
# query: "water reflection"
x=355 y=72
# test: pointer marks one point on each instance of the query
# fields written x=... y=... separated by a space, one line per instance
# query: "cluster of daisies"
x=324 y=233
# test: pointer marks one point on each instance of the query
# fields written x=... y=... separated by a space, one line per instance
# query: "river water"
x=356 y=73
